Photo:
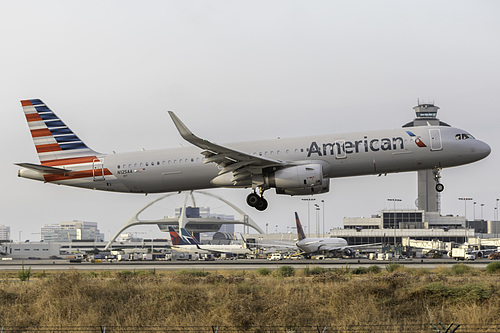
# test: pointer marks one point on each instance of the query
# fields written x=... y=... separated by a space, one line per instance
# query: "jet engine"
x=299 y=180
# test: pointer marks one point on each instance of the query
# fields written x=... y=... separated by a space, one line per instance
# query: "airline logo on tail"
x=62 y=154
x=185 y=238
x=300 y=231
x=55 y=143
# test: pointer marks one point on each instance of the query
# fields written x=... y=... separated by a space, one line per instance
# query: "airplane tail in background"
x=55 y=143
x=188 y=237
x=176 y=239
x=300 y=231
x=184 y=238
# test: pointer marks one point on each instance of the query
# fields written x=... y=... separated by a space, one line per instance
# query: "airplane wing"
x=242 y=165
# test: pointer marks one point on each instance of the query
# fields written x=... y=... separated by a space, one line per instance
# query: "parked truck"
x=462 y=254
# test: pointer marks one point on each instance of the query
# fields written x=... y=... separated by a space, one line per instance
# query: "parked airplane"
x=318 y=245
x=187 y=243
x=295 y=166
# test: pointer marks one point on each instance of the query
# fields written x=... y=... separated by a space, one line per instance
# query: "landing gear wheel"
x=439 y=187
x=253 y=199
x=261 y=204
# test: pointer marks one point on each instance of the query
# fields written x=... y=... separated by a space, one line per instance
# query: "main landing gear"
x=257 y=201
x=437 y=176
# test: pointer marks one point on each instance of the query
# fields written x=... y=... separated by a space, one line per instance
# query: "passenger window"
x=118 y=166
x=147 y=164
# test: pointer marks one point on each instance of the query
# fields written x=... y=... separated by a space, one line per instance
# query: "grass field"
x=282 y=297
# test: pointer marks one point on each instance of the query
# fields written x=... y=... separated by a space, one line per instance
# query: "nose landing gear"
x=437 y=176
x=257 y=201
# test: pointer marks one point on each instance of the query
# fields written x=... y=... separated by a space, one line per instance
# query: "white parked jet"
x=317 y=245
x=295 y=166
x=185 y=242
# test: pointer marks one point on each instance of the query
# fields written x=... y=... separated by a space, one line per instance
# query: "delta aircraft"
x=294 y=166
x=185 y=242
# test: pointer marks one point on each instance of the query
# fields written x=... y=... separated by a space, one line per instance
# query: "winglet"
x=183 y=130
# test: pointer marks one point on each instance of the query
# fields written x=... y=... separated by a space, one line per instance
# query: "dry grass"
x=149 y=298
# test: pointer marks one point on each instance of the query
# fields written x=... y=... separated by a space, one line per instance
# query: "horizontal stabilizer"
x=43 y=168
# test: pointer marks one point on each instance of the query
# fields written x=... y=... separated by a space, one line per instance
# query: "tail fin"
x=176 y=239
x=188 y=237
x=55 y=143
x=300 y=231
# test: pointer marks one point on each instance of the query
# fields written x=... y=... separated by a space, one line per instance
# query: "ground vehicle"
x=462 y=254
x=494 y=256
x=275 y=256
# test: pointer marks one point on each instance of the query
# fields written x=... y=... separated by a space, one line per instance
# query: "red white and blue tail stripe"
x=55 y=143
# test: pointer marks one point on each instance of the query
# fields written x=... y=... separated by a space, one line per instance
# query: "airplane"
x=187 y=243
x=316 y=245
x=293 y=166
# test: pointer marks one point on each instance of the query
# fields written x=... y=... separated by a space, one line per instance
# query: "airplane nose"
x=482 y=149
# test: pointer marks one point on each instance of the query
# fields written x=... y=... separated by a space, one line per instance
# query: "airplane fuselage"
x=340 y=155
x=315 y=245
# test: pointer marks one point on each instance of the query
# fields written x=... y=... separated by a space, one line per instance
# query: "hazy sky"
x=244 y=70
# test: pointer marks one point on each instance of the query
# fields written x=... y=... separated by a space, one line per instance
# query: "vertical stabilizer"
x=176 y=239
x=188 y=237
x=300 y=231
x=55 y=143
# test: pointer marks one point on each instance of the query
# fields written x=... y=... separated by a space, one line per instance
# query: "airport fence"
x=389 y=328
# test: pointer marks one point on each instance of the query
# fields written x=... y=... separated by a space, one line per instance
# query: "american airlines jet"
x=294 y=166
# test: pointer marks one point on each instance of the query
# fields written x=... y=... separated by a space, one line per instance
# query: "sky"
x=240 y=71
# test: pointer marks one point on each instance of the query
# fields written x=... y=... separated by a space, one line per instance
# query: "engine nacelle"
x=299 y=180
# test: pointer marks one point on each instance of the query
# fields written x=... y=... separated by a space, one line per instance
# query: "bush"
x=392 y=267
x=24 y=274
x=374 y=269
x=263 y=271
x=286 y=271
x=493 y=267
x=460 y=269
x=360 y=270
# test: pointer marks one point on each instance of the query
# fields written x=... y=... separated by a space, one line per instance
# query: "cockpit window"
x=463 y=136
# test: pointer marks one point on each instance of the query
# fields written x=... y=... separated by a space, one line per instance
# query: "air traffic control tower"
x=428 y=197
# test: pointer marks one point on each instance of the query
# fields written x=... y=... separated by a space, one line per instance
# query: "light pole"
x=323 y=202
x=394 y=200
x=317 y=219
x=465 y=199
x=497 y=209
x=308 y=214
x=474 y=212
x=482 y=205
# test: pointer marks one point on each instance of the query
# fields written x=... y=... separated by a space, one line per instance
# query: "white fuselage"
x=235 y=249
x=314 y=245
x=340 y=155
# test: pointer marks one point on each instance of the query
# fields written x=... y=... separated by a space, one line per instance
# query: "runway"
x=241 y=264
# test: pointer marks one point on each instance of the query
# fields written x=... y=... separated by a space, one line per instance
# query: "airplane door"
x=339 y=149
x=435 y=135
x=97 y=170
